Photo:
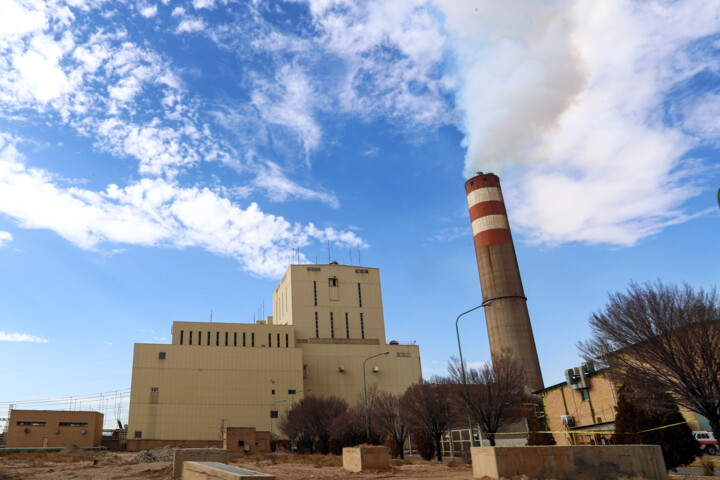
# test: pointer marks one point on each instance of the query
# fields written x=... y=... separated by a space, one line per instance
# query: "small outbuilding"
x=54 y=428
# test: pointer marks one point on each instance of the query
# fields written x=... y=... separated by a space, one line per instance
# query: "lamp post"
x=271 y=417
x=486 y=303
x=301 y=391
x=367 y=414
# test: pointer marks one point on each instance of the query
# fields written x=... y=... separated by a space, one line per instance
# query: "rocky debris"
x=75 y=451
x=162 y=454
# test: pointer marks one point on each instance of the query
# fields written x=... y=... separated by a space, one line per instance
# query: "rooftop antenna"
x=350 y=257
x=359 y=262
x=328 y=251
x=211 y=315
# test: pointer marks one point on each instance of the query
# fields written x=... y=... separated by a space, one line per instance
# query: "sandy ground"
x=136 y=467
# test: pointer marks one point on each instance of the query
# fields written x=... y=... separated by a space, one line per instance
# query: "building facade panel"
x=52 y=428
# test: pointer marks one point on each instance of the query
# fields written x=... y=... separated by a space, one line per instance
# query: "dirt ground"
x=157 y=465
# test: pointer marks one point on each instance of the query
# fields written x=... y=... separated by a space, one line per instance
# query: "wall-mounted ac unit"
x=575 y=378
x=567 y=419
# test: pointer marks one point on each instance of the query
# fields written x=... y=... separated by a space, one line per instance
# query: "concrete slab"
x=366 y=457
x=584 y=462
x=182 y=455
x=220 y=471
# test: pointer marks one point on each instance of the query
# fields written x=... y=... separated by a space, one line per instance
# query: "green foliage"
x=425 y=444
x=642 y=410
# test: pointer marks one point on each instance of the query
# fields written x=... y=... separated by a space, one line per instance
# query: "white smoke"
x=573 y=102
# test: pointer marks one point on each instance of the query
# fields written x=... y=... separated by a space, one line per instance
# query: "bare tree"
x=493 y=391
x=389 y=418
x=427 y=408
x=349 y=426
x=665 y=338
x=312 y=418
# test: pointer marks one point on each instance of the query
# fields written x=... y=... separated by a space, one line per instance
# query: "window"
x=32 y=423
x=138 y=434
x=73 y=424
x=359 y=296
x=235 y=339
x=287 y=341
x=362 y=326
x=161 y=355
x=273 y=414
x=217 y=339
x=585 y=395
x=191 y=337
x=182 y=333
x=208 y=338
x=361 y=270
x=269 y=339
x=347 y=326
x=315 y=292
x=226 y=339
x=252 y=339
x=317 y=327
x=291 y=392
x=278 y=340
x=199 y=337
x=333 y=282
x=243 y=339
x=332 y=326
x=154 y=389
x=273 y=391
x=313 y=269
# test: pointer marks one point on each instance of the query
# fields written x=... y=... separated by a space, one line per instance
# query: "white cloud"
x=20 y=337
x=279 y=188
x=188 y=25
x=5 y=238
x=199 y=4
x=148 y=11
x=154 y=212
x=576 y=92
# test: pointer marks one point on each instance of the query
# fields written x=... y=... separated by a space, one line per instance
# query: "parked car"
x=707 y=442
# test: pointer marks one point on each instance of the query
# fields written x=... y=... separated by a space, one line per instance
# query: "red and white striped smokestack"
x=508 y=321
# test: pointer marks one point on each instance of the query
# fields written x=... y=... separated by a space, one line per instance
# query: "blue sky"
x=159 y=160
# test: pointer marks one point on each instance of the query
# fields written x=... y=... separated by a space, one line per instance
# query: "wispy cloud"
x=5 y=238
x=20 y=337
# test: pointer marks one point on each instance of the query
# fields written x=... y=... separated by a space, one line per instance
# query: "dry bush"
x=273 y=459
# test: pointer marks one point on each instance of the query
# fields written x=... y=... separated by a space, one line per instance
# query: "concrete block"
x=182 y=455
x=583 y=462
x=220 y=471
x=366 y=457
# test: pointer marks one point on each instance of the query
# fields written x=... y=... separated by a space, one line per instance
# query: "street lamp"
x=301 y=391
x=367 y=414
x=271 y=417
x=486 y=303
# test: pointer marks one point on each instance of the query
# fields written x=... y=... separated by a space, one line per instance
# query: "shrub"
x=425 y=445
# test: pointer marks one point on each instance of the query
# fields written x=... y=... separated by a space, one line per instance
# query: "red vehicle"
x=707 y=442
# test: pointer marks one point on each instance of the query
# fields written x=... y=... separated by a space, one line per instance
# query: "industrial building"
x=327 y=321
x=54 y=428
x=581 y=410
x=506 y=312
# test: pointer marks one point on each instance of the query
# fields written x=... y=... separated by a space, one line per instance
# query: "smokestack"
x=508 y=321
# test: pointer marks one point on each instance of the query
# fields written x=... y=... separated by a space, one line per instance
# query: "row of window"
x=332 y=326
x=235 y=339
x=333 y=282
x=62 y=424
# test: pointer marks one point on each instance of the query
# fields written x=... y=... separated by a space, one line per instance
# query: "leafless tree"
x=312 y=417
x=493 y=391
x=389 y=418
x=427 y=408
x=349 y=426
x=665 y=338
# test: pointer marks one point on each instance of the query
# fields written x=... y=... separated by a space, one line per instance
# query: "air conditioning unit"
x=567 y=419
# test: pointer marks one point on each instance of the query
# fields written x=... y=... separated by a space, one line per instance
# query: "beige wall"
x=52 y=433
x=294 y=301
x=201 y=387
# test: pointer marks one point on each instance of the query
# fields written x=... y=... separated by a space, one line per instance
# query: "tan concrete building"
x=581 y=410
x=54 y=428
x=327 y=319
